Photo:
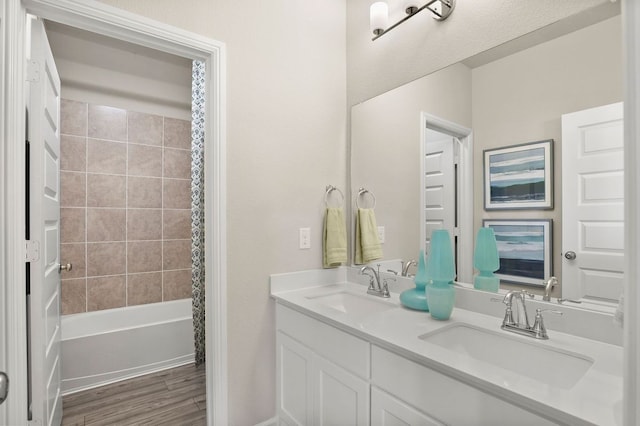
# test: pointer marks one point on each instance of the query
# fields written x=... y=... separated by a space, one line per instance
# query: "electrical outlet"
x=381 y=234
x=305 y=238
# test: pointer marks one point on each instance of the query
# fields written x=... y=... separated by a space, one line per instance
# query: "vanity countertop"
x=596 y=397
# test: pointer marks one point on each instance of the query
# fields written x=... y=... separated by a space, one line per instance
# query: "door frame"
x=465 y=188
x=109 y=21
x=4 y=328
x=631 y=359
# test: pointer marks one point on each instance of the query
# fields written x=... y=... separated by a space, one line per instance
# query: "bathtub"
x=106 y=346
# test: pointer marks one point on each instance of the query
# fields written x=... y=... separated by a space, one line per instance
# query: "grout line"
x=126 y=212
x=86 y=210
x=162 y=215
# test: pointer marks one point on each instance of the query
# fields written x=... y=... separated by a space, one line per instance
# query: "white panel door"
x=439 y=187
x=44 y=218
x=593 y=203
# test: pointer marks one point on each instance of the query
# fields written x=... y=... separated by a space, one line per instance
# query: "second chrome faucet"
x=521 y=324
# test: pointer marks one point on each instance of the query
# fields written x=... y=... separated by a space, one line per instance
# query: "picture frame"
x=524 y=249
x=519 y=176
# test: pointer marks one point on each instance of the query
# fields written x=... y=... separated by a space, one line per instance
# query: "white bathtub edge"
x=103 y=347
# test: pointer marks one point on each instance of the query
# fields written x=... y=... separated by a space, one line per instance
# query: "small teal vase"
x=442 y=297
x=486 y=260
x=415 y=298
x=440 y=274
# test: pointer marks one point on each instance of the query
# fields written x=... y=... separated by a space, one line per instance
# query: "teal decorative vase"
x=440 y=274
x=415 y=298
x=486 y=260
x=441 y=298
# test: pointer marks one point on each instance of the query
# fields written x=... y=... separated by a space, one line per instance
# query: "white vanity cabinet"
x=422 y=396
x=322 y=372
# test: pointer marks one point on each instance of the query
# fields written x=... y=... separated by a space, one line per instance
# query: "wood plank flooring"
x=170 y=397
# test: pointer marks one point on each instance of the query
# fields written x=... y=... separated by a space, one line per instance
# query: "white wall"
x=286 y=118
x=386 y=143
x=521 y=98
x=422 y=45
x=105 y=71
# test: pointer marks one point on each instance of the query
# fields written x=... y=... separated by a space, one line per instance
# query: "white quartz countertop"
x=596 y=398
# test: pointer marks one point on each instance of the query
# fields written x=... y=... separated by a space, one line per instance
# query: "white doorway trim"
x=106 y=20
x=631 y=372
x=465 y=188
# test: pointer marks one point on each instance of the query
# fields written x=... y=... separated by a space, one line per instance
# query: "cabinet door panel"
x=294 y=384
x=341 y=397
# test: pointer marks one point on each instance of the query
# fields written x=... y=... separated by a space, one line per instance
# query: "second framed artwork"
x=519 y=176
x=524 y=249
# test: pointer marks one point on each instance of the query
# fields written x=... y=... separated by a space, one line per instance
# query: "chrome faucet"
x=375 y=287
x=521 y=307
x=521 y=326
x=406 y=266
x=548 y=286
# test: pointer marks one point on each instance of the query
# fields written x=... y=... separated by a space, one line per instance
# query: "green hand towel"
x=334 y=252
x=368 y=246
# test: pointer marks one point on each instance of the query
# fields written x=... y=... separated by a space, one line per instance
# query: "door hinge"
x=32 y=250
x=33 y=71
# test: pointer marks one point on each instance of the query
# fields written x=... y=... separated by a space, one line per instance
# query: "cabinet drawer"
x=343 y=349
x=387 y=410
x=442 y=397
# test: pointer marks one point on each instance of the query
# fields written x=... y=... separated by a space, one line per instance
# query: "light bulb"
x=378 y=17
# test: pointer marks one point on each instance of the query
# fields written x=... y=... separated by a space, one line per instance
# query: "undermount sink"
x=353 y=304
x=548 y=365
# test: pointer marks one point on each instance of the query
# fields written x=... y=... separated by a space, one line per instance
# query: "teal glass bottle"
x=440 y=274
x=416 y=298
x=486 y=260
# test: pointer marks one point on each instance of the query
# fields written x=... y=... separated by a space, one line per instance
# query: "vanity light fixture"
x=379 y=13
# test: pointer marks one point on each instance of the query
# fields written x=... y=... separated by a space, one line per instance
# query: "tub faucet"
x=548 y=286
x=375 y=287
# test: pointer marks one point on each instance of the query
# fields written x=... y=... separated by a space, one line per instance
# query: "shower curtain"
x=197 y=208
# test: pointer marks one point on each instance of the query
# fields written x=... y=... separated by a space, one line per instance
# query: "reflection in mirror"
x=514 y=99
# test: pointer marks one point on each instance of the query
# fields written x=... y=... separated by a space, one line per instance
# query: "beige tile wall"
x=125 y=207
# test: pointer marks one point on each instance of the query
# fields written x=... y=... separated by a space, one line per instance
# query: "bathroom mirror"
x=511 y=95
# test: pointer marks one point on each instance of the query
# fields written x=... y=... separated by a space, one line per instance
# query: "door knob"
x=4 y=386
x=570 y=255
x=66 y=267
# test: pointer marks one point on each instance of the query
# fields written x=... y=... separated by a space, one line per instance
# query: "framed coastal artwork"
x=519 y=176
x=524 y=249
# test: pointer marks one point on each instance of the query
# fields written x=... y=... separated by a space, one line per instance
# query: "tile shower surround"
x=125 y=207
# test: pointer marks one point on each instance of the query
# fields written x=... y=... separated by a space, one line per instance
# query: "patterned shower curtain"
x=197 y=208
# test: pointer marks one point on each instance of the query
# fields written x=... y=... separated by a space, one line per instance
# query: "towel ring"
x=329 y=190
x=361 y=193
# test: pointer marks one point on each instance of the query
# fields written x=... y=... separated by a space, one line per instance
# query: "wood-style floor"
x=170 y=397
